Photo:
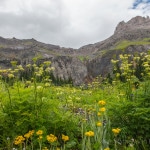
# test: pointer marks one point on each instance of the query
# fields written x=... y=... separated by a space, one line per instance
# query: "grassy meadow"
x=110 y=113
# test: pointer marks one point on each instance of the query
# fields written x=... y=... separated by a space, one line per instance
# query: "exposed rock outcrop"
x=67 y=67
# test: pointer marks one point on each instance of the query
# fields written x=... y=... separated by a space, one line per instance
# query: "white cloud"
x=68 y=23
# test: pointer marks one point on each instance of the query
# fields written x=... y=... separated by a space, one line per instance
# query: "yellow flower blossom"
x=4 y=71
x=102 y=102
x=39 y=132
x=39 y=87
x=19 y=140
x=29 y=134
x=107 y=148
x=65 y=137
x=28 y=65
x=38 y=74
x=102 y=109
x=99 y=124
x=12 y=72
x=40 y=137
x=48 y=69
x=51 y=138
x=28 y=82
x=47 y=63
x=47 y=84
x=13 y=63
x=16 y=70
x=99 y=114
x=11 y=75
x=116 y=131
x=89 y=133
x=20 y=67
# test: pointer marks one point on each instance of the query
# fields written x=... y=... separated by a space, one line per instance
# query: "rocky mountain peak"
x=137 y=22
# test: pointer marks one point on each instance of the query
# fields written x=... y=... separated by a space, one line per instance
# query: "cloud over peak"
x=68 y=23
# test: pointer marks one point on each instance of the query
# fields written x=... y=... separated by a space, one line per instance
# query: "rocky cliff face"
x=87 y=62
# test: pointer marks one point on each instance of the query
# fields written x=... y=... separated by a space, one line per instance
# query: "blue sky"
x=139 y=2
x=68 y=23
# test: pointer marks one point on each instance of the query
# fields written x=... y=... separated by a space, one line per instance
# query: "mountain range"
x=84 y=64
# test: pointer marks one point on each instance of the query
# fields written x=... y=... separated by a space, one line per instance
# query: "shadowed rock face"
x=83 y=64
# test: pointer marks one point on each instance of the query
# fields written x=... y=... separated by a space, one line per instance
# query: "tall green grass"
x=104 y=115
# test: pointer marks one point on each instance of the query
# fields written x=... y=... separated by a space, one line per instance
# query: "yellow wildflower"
x=116 y=131
x=47 y=84
x=102 y=102
x=40 y=137
x=39 y=87
x=48 y=69
x=99 y=124
x=107 y=148
x=4 y=71
x=98 y=114
x=11 y=75
x=29 y=134
x=47 y=63
x=19 y=140
x=28 y=65
x=65 y=137
x=51 y=138
x=20 y=67
x=102 y=109
x=13 y=63
x=28 y=82
x=39 y=132
x=16 y=70
x=38 y=74
x=89 y=133
x=12 y=72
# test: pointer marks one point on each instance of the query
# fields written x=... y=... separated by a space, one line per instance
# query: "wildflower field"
x=110 y=113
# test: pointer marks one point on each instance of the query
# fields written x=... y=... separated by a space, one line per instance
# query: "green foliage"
x=83 y=58
x=132 y=117
x=133 y=112
x=96 y=128
x=30 y=103
x=130 y=67
x=28 y=106
x=124 y=44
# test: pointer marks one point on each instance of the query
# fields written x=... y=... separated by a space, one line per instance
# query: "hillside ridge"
x=85 y=63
